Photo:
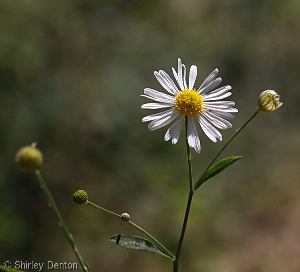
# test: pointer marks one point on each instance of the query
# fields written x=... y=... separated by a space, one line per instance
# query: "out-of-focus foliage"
x=71 y=75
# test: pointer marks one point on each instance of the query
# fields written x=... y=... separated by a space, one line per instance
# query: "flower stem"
x=197 y=184
x=160 y=245
x=61 y=222
x=189 y=202
x=101 y=209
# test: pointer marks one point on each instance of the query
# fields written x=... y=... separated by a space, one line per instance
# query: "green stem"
x=61 y=222
x=102 y=209
x=160 y=245
x=198 y=183
x=189 y=202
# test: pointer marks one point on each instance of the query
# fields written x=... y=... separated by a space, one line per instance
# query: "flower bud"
x=29 y=158
x=269 y=101
x=80 y=197
x=125 y=217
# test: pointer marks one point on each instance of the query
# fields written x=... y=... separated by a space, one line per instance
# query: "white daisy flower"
x=204 y=105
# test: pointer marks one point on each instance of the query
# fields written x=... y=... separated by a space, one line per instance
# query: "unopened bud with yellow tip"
x=29 y=158
x=80 y=197
x=269 y=101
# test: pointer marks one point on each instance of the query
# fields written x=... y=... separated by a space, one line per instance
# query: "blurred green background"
x=71 y=76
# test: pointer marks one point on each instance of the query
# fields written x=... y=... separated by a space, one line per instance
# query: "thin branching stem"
x=60 y=220
x=197 y=184
x=159 y=244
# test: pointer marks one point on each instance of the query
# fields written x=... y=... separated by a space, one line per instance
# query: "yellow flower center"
x=189 y=102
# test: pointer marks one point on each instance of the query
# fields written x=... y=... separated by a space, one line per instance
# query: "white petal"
x=163 y=82
x=211 y=132
x=225 y=106
x=219 y=109
x=169 y=81
x=175 y=74
x=174 y=131
x=216 y=96
x=210 y=86
x=158 y=96
x=179 y=75
x=210 y=78
x=192 y=137
x=216 y=120
x=163 y=100
x=156 y=124
x=222 y=90
x=157 y=116
x=155 y=106
x=219 y=103
x=219 y=93
x=184 y=76
x=223 y=114
x=193 y=76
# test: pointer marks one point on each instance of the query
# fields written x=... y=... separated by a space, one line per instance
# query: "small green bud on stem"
x=29 y=158
x=80 y=197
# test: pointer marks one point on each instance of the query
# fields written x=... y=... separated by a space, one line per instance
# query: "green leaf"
x=5 y=269
x=136 y=243
x=216 y=169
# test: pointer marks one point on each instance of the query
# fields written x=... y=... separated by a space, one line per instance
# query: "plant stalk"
x=159 y=244
x=189 y=201
x=61 y=222
x=197 y=184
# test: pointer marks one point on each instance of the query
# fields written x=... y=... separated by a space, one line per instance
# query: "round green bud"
x=80 y=197
x=29 y=158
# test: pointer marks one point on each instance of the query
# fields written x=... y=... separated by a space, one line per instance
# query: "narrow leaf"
x=216 y=169
x=136 y=243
